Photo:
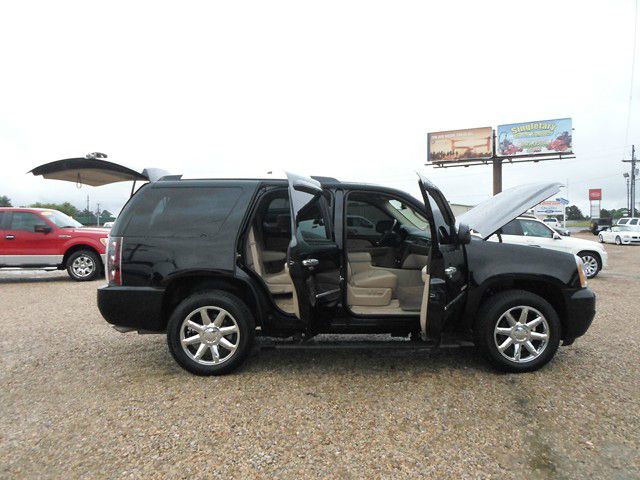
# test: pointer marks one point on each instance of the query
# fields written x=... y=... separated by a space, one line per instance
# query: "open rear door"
x=313 y=258
x=90 y=170
x=446 y=276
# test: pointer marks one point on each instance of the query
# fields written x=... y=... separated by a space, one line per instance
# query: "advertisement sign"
x=460 y=145
x=549 y=207
x=544 y=136
x=595 y=194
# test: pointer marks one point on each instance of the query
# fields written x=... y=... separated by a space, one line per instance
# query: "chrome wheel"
x=209 y=335
x=590 y=265
x=521 y=334
x=83 y=266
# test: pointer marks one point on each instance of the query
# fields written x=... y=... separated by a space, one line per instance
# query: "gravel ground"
x=79 y=400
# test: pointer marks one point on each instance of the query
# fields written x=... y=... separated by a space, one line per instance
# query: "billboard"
x=460 y=145
x=544 y=136
x=595 y=194
x=549 y=207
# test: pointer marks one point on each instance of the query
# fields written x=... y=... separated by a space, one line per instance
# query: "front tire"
x=600 y=239
x=592 y=263
x=517 y=331
x=84 y=265
x=210 y=333
x=618 y=241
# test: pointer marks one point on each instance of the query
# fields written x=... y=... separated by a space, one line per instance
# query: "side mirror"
x=42 y=229
x=556 y=236
x=464 y=234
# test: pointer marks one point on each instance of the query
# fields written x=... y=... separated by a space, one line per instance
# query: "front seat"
x=363 y=274
x=276 y=282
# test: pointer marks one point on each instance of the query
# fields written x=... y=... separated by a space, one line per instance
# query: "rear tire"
x=196 y=333
x=497 y=337
x=84 y=265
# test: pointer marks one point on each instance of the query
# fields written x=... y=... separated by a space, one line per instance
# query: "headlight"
x=104 y=241
x=581 y=274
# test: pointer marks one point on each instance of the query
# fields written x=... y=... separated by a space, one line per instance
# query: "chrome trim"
x=26 y=260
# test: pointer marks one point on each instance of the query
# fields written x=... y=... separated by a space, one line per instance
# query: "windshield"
x=60 y=219
x=406 y=215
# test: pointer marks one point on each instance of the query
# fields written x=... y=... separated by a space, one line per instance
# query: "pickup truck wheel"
x=592 y=263
x=83 y=265
x=210 y=333
x=518 y=331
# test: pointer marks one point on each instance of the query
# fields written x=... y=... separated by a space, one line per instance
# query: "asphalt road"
x=79 y=400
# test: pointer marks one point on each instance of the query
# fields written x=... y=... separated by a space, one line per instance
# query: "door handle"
x=310 y=262
x=450 y=271
x=10 y=237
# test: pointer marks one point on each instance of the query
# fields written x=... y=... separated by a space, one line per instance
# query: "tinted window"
x=25 y=221
x=310 y=222
x=1 y=220
x=623 y=221
x=531 y=228
x=633 y=221
x=512 y=228
x=182 y=212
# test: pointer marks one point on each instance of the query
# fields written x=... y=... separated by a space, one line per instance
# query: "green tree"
x=64 y=207
x=574 y=213
x=5 y=201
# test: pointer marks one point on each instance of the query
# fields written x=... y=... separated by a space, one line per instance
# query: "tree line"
x=86 y=217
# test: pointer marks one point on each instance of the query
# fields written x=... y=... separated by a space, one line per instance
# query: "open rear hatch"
x=95 y=171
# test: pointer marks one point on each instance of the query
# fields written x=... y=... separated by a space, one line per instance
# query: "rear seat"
x=276 y=282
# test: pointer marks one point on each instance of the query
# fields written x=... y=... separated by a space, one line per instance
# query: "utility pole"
x=98 y=214
x=632 y=186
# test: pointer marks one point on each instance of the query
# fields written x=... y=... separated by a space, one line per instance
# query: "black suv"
x=213 y=263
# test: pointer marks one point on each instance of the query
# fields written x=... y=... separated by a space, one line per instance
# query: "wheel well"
x=549 y=292
x=181 y=288
x=591 y=252
x=76 y=248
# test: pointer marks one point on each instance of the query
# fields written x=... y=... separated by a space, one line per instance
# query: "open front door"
x=313 y=258
x=446 y=275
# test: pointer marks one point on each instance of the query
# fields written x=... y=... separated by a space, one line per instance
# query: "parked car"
x=533 y=232
x=599 y=224
x=620 y=235
x=42 y=238
x=108 y=224
x=194 y=259
x=360 y=225
x=552 y=222
x=633 y=222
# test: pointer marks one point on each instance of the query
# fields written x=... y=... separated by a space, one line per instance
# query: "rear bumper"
x=139 y=308
x=581 y=309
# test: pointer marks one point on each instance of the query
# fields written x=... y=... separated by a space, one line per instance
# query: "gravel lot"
x=79 y=400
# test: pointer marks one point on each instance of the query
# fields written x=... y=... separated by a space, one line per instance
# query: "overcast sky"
x=344 y=89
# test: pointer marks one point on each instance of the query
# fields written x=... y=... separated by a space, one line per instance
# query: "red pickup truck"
x=43 y=238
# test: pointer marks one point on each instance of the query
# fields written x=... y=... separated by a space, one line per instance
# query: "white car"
x=620 y=235
x=552 y=222
x=633 y=222
x=531 y=231
x=108 y=224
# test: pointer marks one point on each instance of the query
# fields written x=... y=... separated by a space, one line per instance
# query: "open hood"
x=494 y=213
x=91 y=170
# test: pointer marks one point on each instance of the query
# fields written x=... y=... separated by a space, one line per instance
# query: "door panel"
x=22 y=246
x=448 y=269
x=313 y=257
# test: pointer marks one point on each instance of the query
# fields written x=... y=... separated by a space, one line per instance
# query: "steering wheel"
x=389 y=236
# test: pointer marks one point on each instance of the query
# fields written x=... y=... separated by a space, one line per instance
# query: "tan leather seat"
x=374 y=278
x=276 y=282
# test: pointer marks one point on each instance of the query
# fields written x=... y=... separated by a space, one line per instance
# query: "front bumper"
x=580 y=311
x=604 y=257
x=138 y=308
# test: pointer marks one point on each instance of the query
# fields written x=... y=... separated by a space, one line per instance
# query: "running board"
x=270 y=344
